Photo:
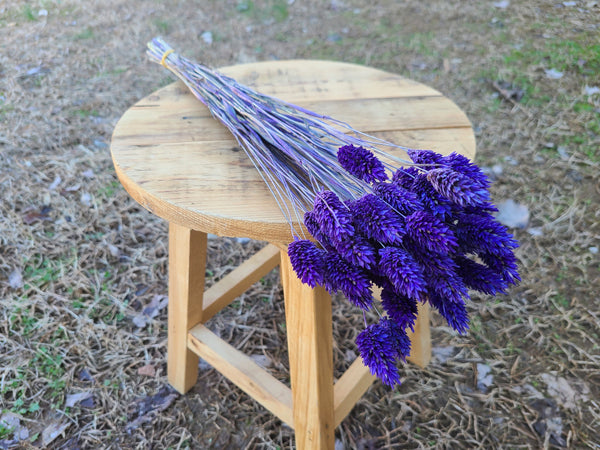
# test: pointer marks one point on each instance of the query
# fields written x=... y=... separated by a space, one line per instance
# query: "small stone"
x=591 y=90
x=86 y=199
x=512 y=214
x=207 y=37
x=15 y=279
x=553 y=74
x=484 y=377
x=443 y=354
x=334 y=37
x=100 y=144
x=535 y=231
x=593 y=250
x=562 y=151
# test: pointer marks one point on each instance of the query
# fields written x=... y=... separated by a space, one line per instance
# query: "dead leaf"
x=84 y=375
x=88 y=402
x=73 y=399
x=509 y=91
x=157 y=303
x=549 y=421
x=32 y=215
x=148 y=407
x=52 y=431
x=148 y=370
x=55 y=183
x=262 y=360
x=567 y=394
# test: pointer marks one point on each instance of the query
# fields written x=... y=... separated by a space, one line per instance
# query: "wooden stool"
x=182 y=165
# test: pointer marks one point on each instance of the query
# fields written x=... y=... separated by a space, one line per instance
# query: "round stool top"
x=181 y=164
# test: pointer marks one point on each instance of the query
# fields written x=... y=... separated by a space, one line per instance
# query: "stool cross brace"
x=314 y=406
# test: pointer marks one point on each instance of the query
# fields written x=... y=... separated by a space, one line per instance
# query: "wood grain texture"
x=182 y=165
x=245 y=373
x=187 y=265
x=420 y=340
x=310 y=349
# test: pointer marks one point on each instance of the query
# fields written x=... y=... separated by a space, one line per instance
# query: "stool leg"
x=420 y=352
x=310 y=347
x=187 y=265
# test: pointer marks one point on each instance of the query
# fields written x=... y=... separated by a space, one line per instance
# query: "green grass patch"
x=23 y=322
x=109 y=190
x=162 y=25
x=276 y=10
x=88 y=33
x=562 y=55
x=28 y=13
x=279 y=10
x=40 y=271
x=86 y=113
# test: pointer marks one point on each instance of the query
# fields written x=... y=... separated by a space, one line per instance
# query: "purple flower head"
x=402 y=200
x=403 y=272
x=503 y=264
x=457 y=187
x=400 y=308
x=477 y=233
x=437 y=204
x=398 y=337
x=378 y=353
x=351 y=280
x=358 y=251
x=311 y=224
x=455 y=313
x=480 y=277
x=308 y=261
x=376 y=220
x=425 y=157
x=430 y=232
x=448 y=286
x=405 y=176
x=464 y=165
x=361 y=163
x=332 y=216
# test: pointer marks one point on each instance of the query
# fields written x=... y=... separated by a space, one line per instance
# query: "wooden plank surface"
x=181 y=164
x=245 y=373
x=332 y=81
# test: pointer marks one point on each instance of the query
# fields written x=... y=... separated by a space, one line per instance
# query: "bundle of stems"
x=422 y=229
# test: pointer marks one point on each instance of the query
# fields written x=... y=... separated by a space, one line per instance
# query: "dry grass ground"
x=83 y=268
